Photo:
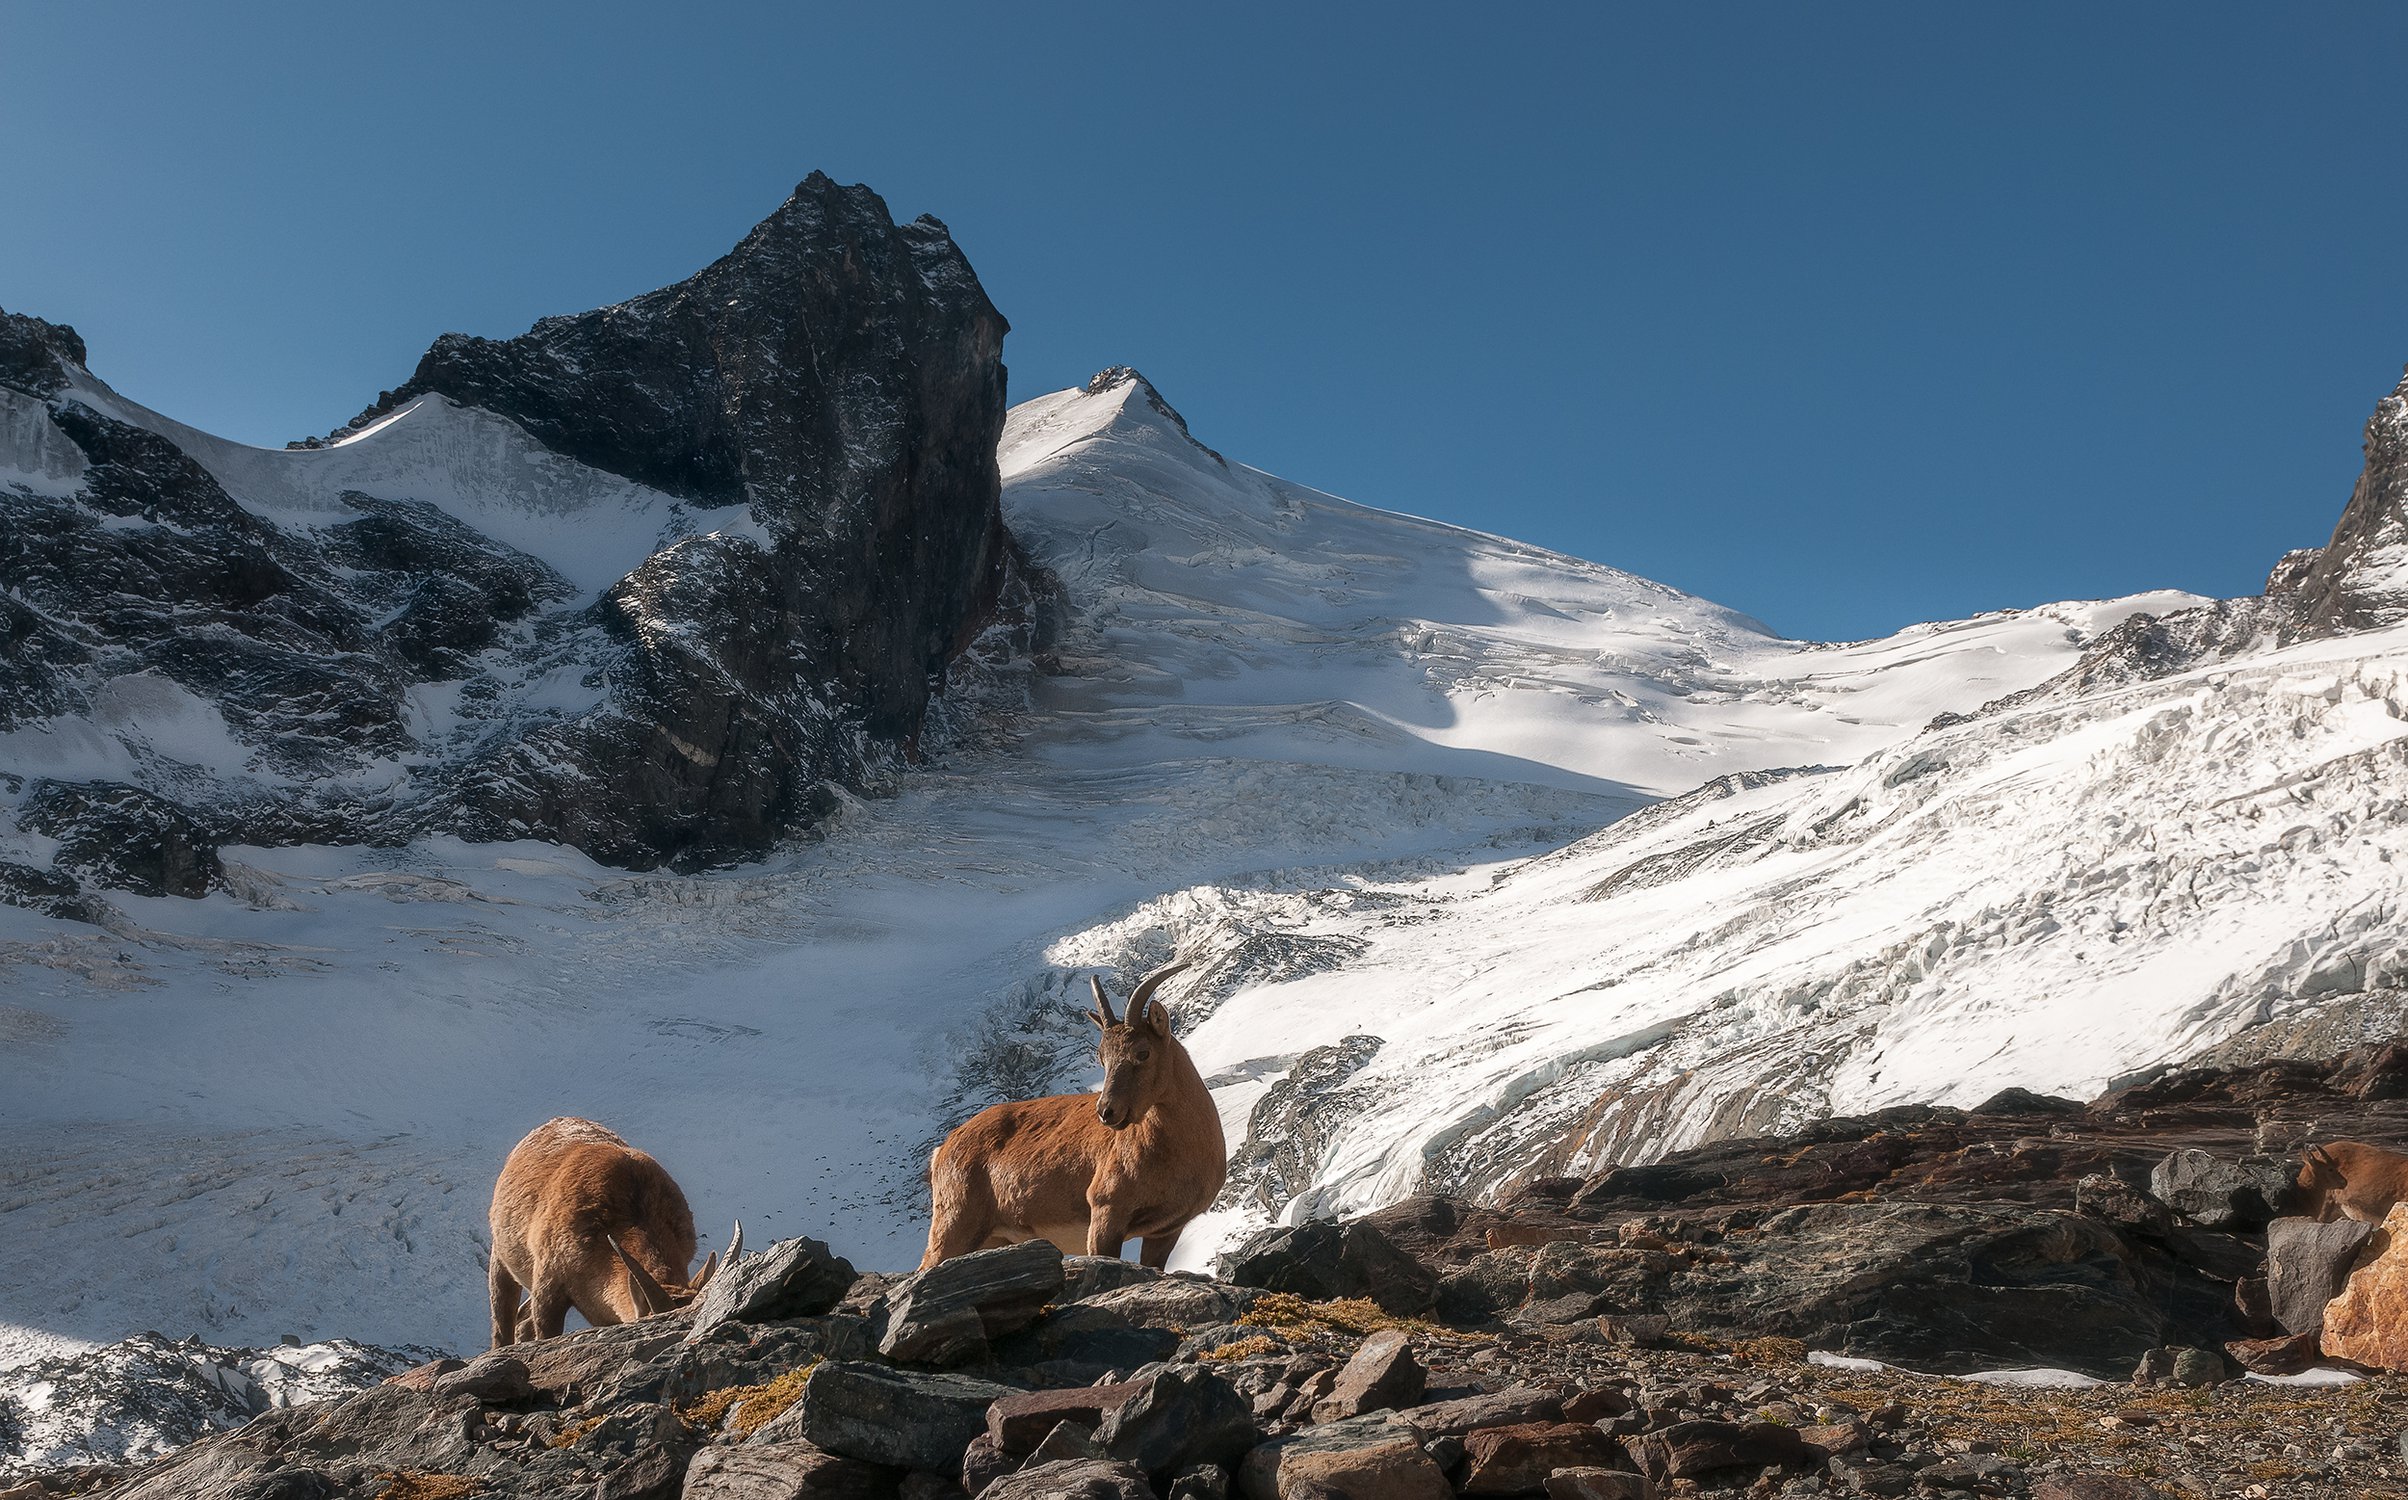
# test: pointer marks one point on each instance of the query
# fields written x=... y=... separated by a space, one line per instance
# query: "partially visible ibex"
x=2350 y=1180
x=1088 y=1172
x=582 y=1219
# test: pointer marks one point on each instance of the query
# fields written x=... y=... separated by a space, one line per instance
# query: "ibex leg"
x=1155 y=1249
x=548 y=1310
x=1107 y=1230
x=504 y=1290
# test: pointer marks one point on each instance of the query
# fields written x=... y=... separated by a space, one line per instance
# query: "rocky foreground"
x=1643 y=1333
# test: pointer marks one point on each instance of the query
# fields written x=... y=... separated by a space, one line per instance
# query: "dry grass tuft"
x=412 y=1484
x=1769 y=1352
x=573 y=1431
x=1245 y=1348
x=1355 y=1315
x=755 y=1405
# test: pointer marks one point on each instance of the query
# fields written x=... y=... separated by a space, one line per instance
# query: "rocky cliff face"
x=2357 y=581
x=652 y=581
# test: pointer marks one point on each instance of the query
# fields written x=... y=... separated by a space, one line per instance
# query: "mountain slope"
x=1218 y=603
x=278 y=1109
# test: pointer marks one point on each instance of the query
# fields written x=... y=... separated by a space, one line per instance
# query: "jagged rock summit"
x=2359 y=580
x=653 y=581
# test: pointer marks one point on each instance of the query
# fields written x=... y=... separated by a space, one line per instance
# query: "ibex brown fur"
x=2350 y=1180
x=582 y=1219
x=1088 y=1171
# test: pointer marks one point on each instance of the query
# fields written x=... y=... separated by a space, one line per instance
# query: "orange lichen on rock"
x=2368 y=1322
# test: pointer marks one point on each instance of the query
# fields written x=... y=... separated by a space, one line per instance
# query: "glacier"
x=1502 y=861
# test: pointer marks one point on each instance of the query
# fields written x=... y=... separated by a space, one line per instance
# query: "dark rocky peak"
x=1107 y=381
x=798 y=371
x=838 y=376
x=34 y=355
x=2359 y=580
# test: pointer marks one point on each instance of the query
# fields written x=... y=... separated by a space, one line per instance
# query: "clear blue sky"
x=1846 y=315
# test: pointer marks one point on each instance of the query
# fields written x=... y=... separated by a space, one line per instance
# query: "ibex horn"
x=1103 y=1002
x=1146 y=986
x=649 y=1298
x=735 y=1245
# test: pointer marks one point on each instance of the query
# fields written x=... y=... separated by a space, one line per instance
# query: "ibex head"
x=1135 y=1051
x=647 y=1294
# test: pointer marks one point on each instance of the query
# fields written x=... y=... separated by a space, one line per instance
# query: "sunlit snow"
x=1357 y=760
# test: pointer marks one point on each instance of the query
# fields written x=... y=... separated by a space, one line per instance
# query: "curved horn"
x=1103 y=1002
x=1146 y=986
x=735 y=1245
x=649 y=1298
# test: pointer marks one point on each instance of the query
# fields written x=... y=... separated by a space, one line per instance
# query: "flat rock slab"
x=1018 y=1422
x=1180 y=1417
x=784 y=1471
x=387 y=1425
x=1506 y=1408
x=1076 y=1479
x=1323 y=1260
x=1083 y=1276
x=2286 y=1355
x=574 y=1366
x=226 y=1472
x=791 y=1279
x=910 y=1419
x=946 y=1314
x=2208 y=1189
x=1367 y=1458
x=2097 y=1487
x=490 y=1378
x=1517 y=1460
x=1087 y=1334
x=2307 y=1264
x=1382 y=1375
x=1174 y=1302
x=1687 y=1449
x=1599 y=1484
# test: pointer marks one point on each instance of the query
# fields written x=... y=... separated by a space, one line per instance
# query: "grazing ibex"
x=1088 y=1171
x=582 y=1219
x=2350 y=1180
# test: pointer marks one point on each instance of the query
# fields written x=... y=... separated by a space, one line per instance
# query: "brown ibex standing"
x=1139 y=1158
x=2350 y=1180
x=582 y=1219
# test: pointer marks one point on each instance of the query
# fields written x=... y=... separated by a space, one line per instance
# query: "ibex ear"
x=708 y=1266
x=1158 y=1018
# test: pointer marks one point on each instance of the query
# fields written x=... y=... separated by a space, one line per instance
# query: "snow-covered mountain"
x=279 y=1107
x=1498 y=862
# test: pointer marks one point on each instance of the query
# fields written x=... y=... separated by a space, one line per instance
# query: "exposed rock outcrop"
x=657 y=581
x=2022 y=1232
x=2359 y=580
